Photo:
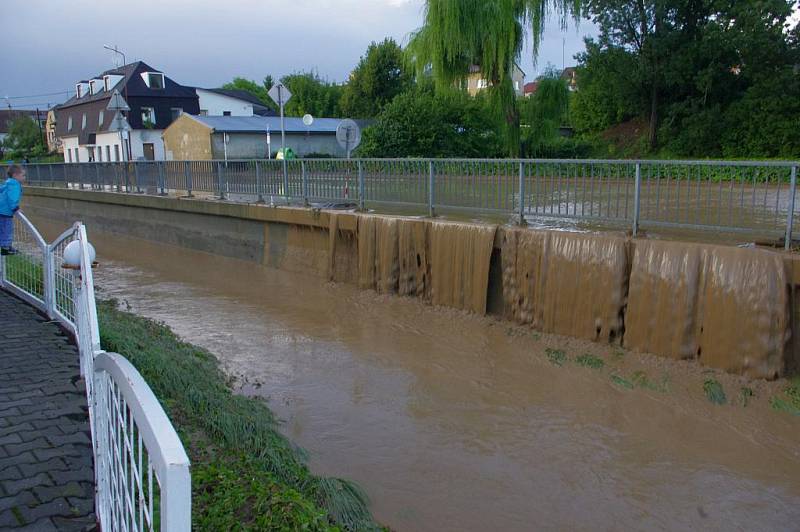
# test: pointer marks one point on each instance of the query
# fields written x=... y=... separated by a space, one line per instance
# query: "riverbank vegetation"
x=245 y=474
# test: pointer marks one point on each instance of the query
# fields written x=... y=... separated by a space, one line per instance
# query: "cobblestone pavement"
x=46 y=475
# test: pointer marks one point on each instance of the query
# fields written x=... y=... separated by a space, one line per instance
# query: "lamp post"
x=116 y=50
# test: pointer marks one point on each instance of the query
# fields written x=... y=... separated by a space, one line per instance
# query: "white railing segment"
x=142 y=477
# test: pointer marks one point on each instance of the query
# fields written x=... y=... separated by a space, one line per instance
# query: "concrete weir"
x=730 y=308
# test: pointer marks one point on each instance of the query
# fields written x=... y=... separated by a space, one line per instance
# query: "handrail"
x=122 y=407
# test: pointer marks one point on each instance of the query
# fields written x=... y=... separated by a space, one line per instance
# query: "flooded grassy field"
x=454 y=421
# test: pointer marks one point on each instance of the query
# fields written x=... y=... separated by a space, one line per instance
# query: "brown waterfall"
x=728 y=307
x=565 y=283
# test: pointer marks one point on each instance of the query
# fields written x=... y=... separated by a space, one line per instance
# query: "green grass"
x=622 y=382
x=714 y=391
x=556 y=356
x=639 y=379
x=246 y=474
x=24 y=272
x=745 y=394
x=590 y=361
x=789 y=401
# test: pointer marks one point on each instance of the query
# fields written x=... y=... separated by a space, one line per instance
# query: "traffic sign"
x=348 y=135
x=280 y=94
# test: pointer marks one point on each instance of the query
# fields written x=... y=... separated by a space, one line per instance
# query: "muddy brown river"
x=451 y=421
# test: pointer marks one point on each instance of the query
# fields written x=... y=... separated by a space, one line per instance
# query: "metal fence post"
x=305 y=182
x=790 y=215
x=521 y=193
x=361 y=187
x=52 y=181
x=259 y=187
x=80 y=177
x=136 y=175
x=637 y=198
x=219 y=181
x=49 y=282
x=286 y=180
x=97 y=176
x=431 y=201
x=187 y=173
x=161 y=177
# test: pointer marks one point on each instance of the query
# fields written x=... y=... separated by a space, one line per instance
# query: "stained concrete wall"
x=187 y=139
x=729 y=308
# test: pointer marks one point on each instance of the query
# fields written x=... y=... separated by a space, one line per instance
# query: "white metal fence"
x=755 y=197
x=142 y=474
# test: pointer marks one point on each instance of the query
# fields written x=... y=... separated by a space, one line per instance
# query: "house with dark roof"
x=231 y=102
x=90 y=131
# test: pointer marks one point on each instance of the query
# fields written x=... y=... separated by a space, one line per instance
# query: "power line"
x=36 y=95
x=27 y=106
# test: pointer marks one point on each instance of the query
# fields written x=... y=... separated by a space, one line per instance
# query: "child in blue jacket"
x=10 y=194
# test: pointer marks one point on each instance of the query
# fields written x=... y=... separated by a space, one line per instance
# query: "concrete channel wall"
x=730 y=308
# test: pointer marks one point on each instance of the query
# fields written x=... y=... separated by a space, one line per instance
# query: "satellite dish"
x=348 y=134
x=308 y=120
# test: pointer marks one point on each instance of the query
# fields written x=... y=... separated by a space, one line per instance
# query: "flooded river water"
x=451 y=421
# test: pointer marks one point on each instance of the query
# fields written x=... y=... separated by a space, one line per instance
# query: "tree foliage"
x=24 y=139
x=424 y=123
x=379 y=77
x=311 y=94
x=457 y=34
x=260 y=91
x=711 y=77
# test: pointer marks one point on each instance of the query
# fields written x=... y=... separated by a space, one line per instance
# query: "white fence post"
x=637 y=195
x=790 y=215
x=49 y=281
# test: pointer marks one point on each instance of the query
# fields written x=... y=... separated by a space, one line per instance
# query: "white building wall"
x=141 y=136
x=215 y=104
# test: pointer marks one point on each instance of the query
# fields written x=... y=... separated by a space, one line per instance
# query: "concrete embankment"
x=730 y=308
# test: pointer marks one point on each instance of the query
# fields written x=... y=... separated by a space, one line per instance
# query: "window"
x=148 y=117
x=100 y=118
x=69 y=156
x=155 y=80
x=516 y=85
x=69 y=123
x=203 y=112
x=78 y=91
x=482 y=83
x=226 y=113
x=108 y=153
x=83 y=121
x=99 y=154
x=176 y=112
x=116 y=152
x=77 y=157
x=105 y=83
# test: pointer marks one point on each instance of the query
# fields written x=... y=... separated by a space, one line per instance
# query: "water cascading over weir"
x=727 y=307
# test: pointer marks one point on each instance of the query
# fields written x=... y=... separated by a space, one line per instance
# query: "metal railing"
x=142 y=474
x=730 y=196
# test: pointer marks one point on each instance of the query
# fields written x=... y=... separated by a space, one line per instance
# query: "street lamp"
x=116 y=50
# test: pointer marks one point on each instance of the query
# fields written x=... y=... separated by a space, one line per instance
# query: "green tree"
x=379 y=77
x=544 y=113
x=24 y=139
x=311 y=94
x=489 y=33
x=259 y=91
x=424 y=123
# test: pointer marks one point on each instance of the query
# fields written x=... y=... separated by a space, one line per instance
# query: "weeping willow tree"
x=490 y=34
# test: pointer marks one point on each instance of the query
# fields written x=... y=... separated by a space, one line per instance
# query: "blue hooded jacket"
x=10 y=194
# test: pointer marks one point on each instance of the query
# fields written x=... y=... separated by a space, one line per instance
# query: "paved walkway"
x=46 y=478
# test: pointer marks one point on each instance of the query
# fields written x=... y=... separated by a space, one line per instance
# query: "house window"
x=69 y=156
x=226 y=113
x=482 y=83
x=116 y=152
x=105 y=83
x=155 y=80
x=78 y=91
x=176 y=112
x=100 y=119
x=148 y=116
x=83 y=121
x=69 y=123
x=516 y=85
x=108 y=153
x=99 y=154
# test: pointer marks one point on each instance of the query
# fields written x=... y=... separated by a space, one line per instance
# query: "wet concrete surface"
x=454 y=421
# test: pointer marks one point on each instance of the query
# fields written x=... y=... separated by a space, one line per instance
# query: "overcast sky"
x=48 y=45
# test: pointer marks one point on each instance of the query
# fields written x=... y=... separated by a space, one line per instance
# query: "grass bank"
x=245 y=474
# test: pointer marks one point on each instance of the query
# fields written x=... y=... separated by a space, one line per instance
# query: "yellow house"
x=476 y=83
